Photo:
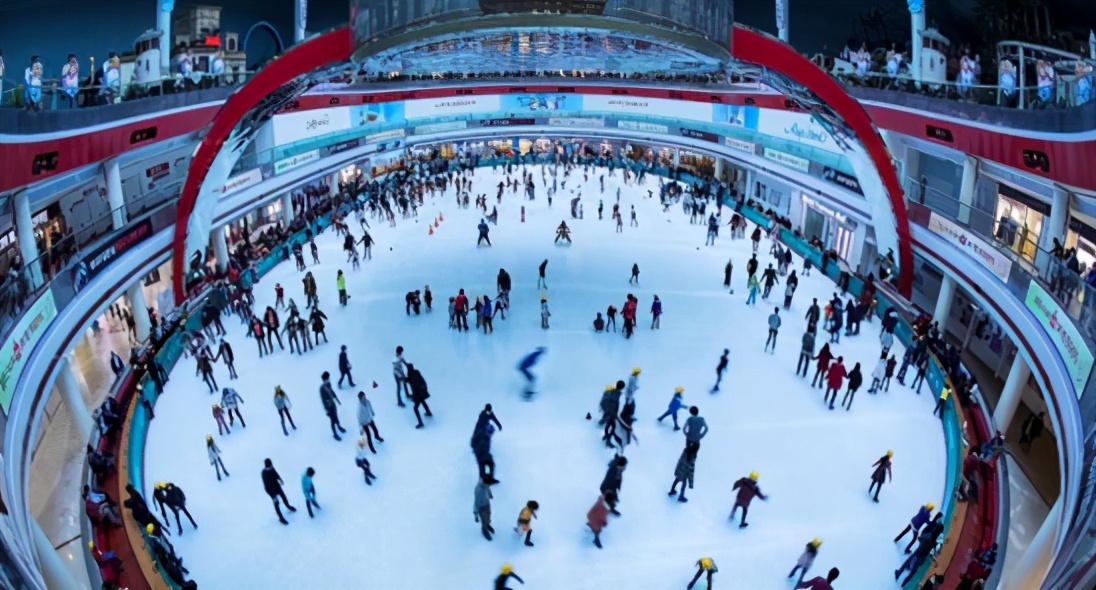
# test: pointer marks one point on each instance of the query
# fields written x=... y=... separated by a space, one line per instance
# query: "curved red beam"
x=747 y=45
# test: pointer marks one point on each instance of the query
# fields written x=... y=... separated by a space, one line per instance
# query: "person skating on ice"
x=628 y=313
x=484 y=229
x=168 y=495
x=695 y=428
x=597 y=518
x=412 y=301
x=813 y=314
x=768 y=279
x=613 y=480
x=308 y=488
x=747 y=491
x=563 y=233
x=272 y=484
x=295 y=329
x=705 y=566
x=504 y=576
x=544 y=313
x=806 y=353
x=727 y=270
x=331 y=404
x=599 y=324
x=720 y=369
x=282 y=404
x=635 y=274
x=683 y=473
x=310 y=297
x=856 y=379
x=399 y=372
x=835 y=378
x=224 y=353
x=881 y=473
x=428 y=298
x=820 y=583
x=774 y=327
x=877 y=375
x=542 y=283
x=460 y=306
x=525 y=366
x=481 y=505
x=271 y=323
x=219 y=418
x=366 y=420
x=676 y=403
x=344 y=367
x=752 y=289
x=362 y=461
x=315 y=251
x=419 y=393
x=836 y=321
x=205 y=367
x=525 y=521
x=920 y=519
x=214 y=453
x=806 y=560
x=926 y=543
x=610 y=409
x=610 y=315
x=824 y=358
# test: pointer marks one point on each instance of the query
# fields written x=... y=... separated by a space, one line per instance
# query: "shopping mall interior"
x=912 y=216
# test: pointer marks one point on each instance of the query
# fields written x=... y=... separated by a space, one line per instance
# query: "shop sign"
x=786 y=159
x=287 y=164
x=697 y=134
x=22 y=340
x=1065 y=336
x=441 y=127
x=241 y=181
x=576 y=121
x=430 y=108
x=158 y=171
x=101 y=257
x=507 y=122
x=652 y=107
x=738 y=144
x=842 y=180
x=644 y=127
x=343 y=146
x=385 y=135
x=975 y=247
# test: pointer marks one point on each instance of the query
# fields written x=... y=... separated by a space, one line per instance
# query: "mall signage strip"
x=841 y=179
x=99 y=258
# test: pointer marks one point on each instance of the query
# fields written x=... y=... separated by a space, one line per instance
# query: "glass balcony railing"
x=55 y=97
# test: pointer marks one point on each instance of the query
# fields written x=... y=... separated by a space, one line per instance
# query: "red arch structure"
x=337 y=46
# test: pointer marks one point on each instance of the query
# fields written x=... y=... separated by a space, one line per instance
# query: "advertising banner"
x=1067 y=339
x=287 y=164
x=298 y=126
x=576 y=121
x=786 y=159
x=974 y=246
x=372 y=116
x=701 y=135
x=429 y=108
x=507 y=122
x=440 y=127
x=797 y=127
x=651 y=107
x=738 y=144
x=841 y=179
x=540 y=103
x=101 y=257
x=241 y=181
x=645 y=127
x=13 y=354
x=343 y=146
x=736 y=116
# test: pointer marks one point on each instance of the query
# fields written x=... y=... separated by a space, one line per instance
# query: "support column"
x=943 y=303
x=115 y=198
x=287 y=208
x=220 y=248
x=1054 y=226
x=24 y=231
x=917 y=26
x=1018 y=376
x=782 y=20
x=163 y=24
x=54 y=571
x=1031 y=569
x=966 y=188
x=73 y=399
x=136 y=296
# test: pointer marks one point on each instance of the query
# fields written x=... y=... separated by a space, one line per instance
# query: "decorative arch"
x=273 y=33
x=747 y=45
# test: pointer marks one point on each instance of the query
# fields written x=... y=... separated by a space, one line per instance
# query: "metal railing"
x=55 y=97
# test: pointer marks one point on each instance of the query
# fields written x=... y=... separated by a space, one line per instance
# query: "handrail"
x=87 y=95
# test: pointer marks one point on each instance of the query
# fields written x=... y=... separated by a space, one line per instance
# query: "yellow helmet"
x=930 y=506
x=890 y=453
x=506 y=568
x=816 y=542
x=754 y=475
x=209 y=438
x=160 y=485
x=706 y=562
x=91 y=545
x=150 y=528
x=679 y=389
x=610 y=387
x=636 y=370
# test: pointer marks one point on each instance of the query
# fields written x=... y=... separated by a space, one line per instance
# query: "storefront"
x=698 y=164
x=835 y=229
x=1019 y=221
x=774 y=194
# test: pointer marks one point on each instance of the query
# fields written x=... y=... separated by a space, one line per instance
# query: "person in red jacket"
x=628 y=312
x=823 y=357
x=820 y=583
x=835 y=378
x=461 y=307
x=747 y=491
x=598 y=516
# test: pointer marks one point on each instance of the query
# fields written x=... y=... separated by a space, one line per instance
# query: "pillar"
x=24 y=231
x=73 y=399
x=163 y=24
x=220 y=247
x=966 y=188
x=287 y=208
x=136 y=296
x=917 y=26
x=943 y=303
x=1054 y=226
x=782 y=20
x=54 y=570
x=1031 y=569
x=300 y=20
x=115 y=198
x=1018 y=376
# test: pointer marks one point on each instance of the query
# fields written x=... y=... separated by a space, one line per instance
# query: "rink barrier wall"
x=136 y=433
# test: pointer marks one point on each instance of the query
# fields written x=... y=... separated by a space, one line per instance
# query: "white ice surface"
x=414 y=527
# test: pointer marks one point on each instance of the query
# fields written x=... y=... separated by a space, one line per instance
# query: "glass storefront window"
x=1018 y=226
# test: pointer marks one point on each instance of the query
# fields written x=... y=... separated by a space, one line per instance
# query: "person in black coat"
x=330 y=405
x=614 y=479
x=272 y=483
x=856 y=379
x=139 y=508
x=316 y=318
x=171 y=496
x=419 y=393
x=504 y=283
x=224 y=353
x=344 y=367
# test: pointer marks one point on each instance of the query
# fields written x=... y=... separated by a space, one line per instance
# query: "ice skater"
x=331 y=405
x=704 y=566
x=365 y=421
x=683 y=473
x=544 y=313
x=419 y=393
x=720 y=369
x=282 y=404
x=230 y=401
x=504 y=576
x=881 y=473
x=362 y=461
x=483 y=231
x=635 y=274
x=919 y=520
x=597 y=518
x=219 y=418
x=542 y=283
x=856 y=379
x=820 y=583
x=169 y=495
x=806 y=560
x=525 y=521
x=525 y=366
x=747 y=491
x=676 y=403
x=481 y=507
x=309 y=490
x=774 y=327
x=399 y=371
x=344 y=367
x=611 y=483
x=272 y=484
x=695 y=428
x=214 y=453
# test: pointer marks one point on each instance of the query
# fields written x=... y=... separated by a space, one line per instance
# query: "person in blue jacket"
x=919 y=520
x=483 y=230
x=309 y=490
x=528 y=362
x=676 y=404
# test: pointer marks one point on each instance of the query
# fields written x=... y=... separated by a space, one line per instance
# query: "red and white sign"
x=158 y=171
x=652 y=107
x=974 y=246
x=428 y=108
x=241 y=181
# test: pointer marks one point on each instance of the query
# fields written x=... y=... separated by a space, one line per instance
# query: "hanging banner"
x=841 y=179
x=99 y=258
x=26 y=334
x=540 y=103
x=785 y=159
x=440 y=127
x=975 y=247
x=797 y=127
x=298 y=126
x=738 y=144
x=287 y=164
x=429 y=108
x=645 y=127
x=241 y=181
x=576 y=121
x=1067 y=339
x=653 y=107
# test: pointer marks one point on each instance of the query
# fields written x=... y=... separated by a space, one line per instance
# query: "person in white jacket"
x=399 y=371
x=365 y=421
x=362 y=461
x=230 y=401
x=877 y=375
